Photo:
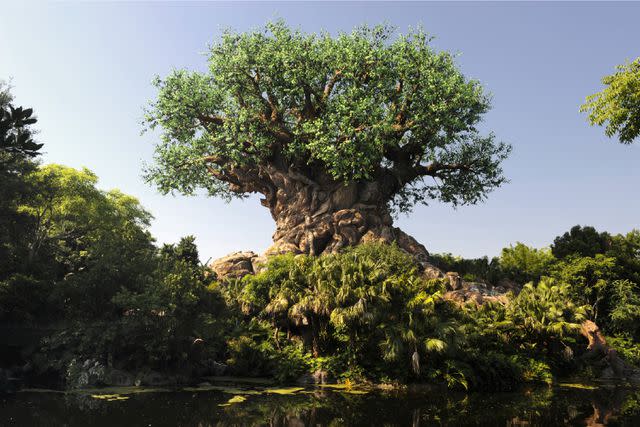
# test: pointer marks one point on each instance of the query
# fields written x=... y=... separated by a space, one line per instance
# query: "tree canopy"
x=359 y=107
x=617 y=106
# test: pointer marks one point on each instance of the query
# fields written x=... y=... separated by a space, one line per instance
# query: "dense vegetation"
x=81 y=279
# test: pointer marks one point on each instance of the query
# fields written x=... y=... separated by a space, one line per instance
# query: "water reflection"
x=532 y=407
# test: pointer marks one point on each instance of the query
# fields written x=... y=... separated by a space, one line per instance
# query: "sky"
x=87 y=68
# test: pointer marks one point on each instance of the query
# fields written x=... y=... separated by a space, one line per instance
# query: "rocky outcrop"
x=455 y=281
x=598 y=351
x=235 y=265
x=478 y=293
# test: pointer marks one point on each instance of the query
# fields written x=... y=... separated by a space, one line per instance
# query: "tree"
x=590 y=279
x=582 y=241
x=626 y=250
x=17 y=151
x=336 y=133
x=525 y=264
x=16 y=133
x=618 y=105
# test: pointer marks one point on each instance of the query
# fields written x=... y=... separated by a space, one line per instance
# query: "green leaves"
x=523 y=263
x=546 y=310
x=16 y=137
x=617 y=106
x=354 y=107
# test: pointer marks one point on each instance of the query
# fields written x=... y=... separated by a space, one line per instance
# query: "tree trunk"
x=316 y=217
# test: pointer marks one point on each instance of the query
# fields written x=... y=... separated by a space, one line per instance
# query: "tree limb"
x=330 y=84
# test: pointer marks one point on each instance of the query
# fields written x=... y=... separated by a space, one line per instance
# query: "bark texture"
x=315 y=214
x=314 y=219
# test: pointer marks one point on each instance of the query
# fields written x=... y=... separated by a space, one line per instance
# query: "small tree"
x=337 y=133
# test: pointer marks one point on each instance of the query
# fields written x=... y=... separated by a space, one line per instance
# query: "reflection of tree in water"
x=539 y=406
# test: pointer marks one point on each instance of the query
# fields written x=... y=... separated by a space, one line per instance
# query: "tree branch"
x=435 y=168
x=216 y=120
x=330 y=84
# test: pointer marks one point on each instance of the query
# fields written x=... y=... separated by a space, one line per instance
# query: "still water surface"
x=566 y=405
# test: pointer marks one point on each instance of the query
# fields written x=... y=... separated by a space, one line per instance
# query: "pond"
x=568 y=404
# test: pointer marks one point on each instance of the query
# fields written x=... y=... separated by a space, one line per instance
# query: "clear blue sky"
x=87 y=68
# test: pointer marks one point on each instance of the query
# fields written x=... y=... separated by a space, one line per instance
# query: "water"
x=313 y=407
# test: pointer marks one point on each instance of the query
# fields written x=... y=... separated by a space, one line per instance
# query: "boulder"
x=430 y=271
x=235 y=265
x=474 y=292
x=318 y=377
x=455 y=281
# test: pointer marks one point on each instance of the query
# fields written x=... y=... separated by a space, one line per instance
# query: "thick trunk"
x=314 y=217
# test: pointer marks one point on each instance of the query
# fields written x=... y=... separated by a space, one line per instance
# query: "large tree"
x=337 y=133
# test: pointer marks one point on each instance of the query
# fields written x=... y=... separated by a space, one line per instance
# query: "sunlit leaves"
x=343 y=105
x=617 y=106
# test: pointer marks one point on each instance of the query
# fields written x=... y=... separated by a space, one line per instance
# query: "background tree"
x=617 y=106
x=17 y=152
x=336 y=133
x=581 y=241
x=524 y=264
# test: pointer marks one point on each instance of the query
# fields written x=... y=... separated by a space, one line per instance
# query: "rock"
x=318 y=377
x=598 y=349
x=508 y=285
x=118 y=378
x=322 y=377
x=430 y=271
x=259 y=264
x=89 y=373
x=235 y=265
x=455 y=281
x=463 y=296
x=597 y=342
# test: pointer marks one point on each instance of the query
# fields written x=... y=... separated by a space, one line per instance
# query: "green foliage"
x=626 y=250
x=524 y=264
x=16 y=132
x=627 y=347
x=89 y=268
x=471 y=270
x=369 y=313
x=580 y=241
x=168 y=320
x=545 y=312
x=624 y=316
x=617 y=106
x=17 y=150
x=354 y=107
x=590 y=280
x=368 y=301
x=22 y=298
